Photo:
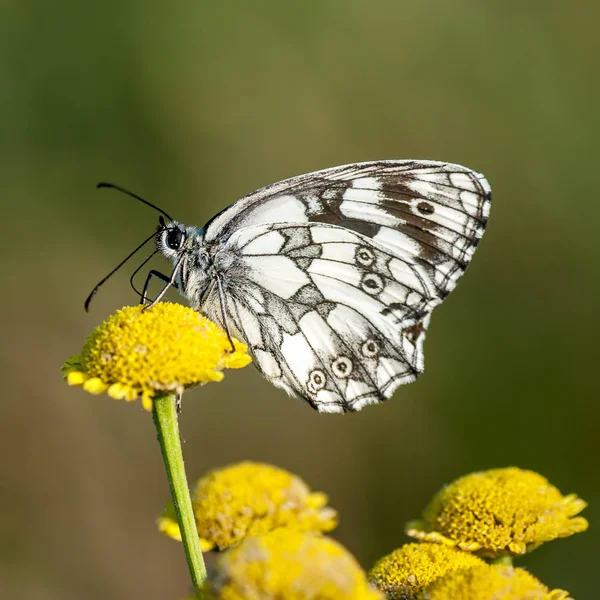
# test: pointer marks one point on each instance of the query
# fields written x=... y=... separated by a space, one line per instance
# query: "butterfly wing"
x=331 y=276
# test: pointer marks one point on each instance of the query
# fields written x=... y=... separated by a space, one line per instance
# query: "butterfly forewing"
x=331 y=276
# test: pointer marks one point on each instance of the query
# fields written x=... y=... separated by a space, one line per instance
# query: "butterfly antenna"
x=104 y=279
x=104 y=184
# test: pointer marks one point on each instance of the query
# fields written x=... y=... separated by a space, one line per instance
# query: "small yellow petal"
x=317 y=500
x=167 y=524
x=130 y=393
x=573 y=505
x=471 y=546
x=147 y=401
x=118 y=391
x=417 y=529
x=76 y=378
x=169 y=527
x=515 y=547
x=205 y=545
x=237 y=359
x=213 y=376
x=95 y=385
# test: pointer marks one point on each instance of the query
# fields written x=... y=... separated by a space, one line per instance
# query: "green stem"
x=167 y=429
x=503 y=559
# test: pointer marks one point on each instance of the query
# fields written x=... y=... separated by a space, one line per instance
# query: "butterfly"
x=330 y=277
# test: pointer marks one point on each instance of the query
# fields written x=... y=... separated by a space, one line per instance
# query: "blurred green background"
x=194 y=104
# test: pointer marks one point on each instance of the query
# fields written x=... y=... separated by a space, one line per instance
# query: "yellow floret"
x=407 y=571
x=496 y=581
x=289 y=565
x=248 y=499
x=147 y=353
x=501 y=511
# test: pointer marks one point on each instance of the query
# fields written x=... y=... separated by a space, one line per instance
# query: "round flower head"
x=491 y=581
x=148 y=353
x=498 y=512
x=289 y=565
x=250 y=499
x=407 y=571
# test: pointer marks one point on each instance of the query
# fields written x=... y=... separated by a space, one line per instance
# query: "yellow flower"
x=167 y=348
x=289 y=565
x=407 y=571
x=248 y=499
x=496 y=581
x=499 y=511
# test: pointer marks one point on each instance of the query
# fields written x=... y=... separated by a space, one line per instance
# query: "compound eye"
x=175 y=239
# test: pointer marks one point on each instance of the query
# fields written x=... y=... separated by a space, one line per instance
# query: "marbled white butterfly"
x=331 y=277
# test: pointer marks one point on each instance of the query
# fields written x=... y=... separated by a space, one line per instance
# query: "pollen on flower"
x=137 y=353
x=286 y=564
x=491 y=581
x=407 y=571
x=498 y=512
x=248 y=499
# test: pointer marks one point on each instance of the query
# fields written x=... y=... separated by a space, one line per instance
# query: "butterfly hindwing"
x=324 y=309
x=336 y=361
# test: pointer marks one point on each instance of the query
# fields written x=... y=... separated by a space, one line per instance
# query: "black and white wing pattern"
x=331 y=277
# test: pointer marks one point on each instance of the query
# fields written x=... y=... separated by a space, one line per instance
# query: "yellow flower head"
x=250 y=499
x=289 y=565
x=407 y=571
x=499 y=511
x=491 y=581
x=167 y=348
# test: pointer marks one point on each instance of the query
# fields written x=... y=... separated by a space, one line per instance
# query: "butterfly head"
x=172 y=239
x=184 y=247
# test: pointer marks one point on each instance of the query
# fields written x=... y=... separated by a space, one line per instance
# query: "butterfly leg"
x=160 y=276
x=169 y=282
x=223 y=312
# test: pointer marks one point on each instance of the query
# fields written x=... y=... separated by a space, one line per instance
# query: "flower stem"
x=164 y=413
x=503 y=559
